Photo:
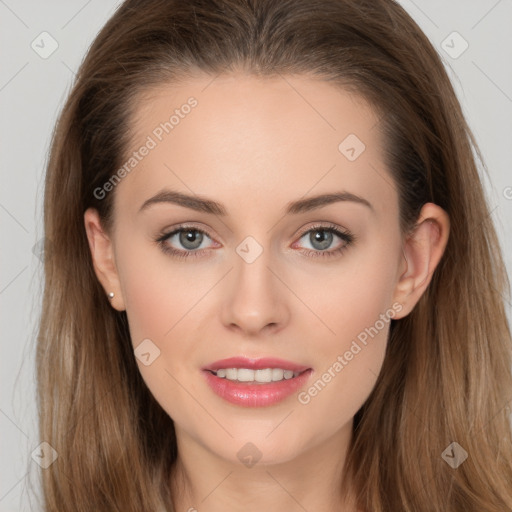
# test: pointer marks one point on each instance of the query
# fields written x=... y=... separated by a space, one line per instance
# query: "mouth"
x=255 y=382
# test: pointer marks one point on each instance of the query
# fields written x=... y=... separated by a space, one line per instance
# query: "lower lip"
x=255 y=395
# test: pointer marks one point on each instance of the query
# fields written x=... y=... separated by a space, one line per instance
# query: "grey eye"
x=190 y=238
x=320 y=239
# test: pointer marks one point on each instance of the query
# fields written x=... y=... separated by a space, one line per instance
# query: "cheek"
x=348 y=299
x=157 y=299
x=157 y=292
x=163 y=303
x=355 y=303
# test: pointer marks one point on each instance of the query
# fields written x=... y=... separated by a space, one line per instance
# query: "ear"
x=102 y=252
x=422 y=250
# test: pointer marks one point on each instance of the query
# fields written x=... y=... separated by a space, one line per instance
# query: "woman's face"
x=296 y=257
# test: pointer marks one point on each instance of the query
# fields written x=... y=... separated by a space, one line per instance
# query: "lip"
x=255 y=394
x=255 y=364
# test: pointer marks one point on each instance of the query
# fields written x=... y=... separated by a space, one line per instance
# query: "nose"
x=255 y=300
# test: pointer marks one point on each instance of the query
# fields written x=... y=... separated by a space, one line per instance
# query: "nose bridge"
x=254 y=300
x=253 y=279
x=252 y=265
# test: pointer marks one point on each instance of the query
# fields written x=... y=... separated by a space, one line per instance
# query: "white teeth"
x=277 y=374
x=248 y=375
x=263 y=375
x=245 y=375
x=231 y=373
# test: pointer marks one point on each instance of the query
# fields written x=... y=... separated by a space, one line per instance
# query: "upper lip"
x=255 y=364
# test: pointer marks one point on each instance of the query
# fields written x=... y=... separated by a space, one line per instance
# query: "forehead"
x=255 y=137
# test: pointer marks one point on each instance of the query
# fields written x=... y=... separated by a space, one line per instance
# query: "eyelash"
x=346 y=235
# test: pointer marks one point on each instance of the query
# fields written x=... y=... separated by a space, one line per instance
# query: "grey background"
x=32 y=92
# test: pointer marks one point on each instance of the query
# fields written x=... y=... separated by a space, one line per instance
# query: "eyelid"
x=322 y=225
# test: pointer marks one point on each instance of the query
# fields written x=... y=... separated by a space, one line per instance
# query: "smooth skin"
x=255 y=145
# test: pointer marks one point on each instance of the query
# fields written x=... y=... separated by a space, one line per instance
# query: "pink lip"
x=255 y=364
x=255 y=394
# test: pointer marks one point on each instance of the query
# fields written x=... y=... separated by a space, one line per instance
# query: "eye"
x=189 y=240
x=321 y=237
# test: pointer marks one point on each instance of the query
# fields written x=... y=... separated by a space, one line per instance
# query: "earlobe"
x=422 y=251
x=102 y=254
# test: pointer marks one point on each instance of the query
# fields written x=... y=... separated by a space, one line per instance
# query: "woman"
x=274 y=281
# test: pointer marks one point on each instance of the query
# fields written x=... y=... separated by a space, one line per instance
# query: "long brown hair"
x=446 y=376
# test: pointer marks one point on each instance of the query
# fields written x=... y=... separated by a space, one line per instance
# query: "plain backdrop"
x=33 y=87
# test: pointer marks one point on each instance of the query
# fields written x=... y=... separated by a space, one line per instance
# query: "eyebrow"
x=203 y=204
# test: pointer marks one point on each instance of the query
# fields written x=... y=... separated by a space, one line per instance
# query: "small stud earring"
x=111 y=295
